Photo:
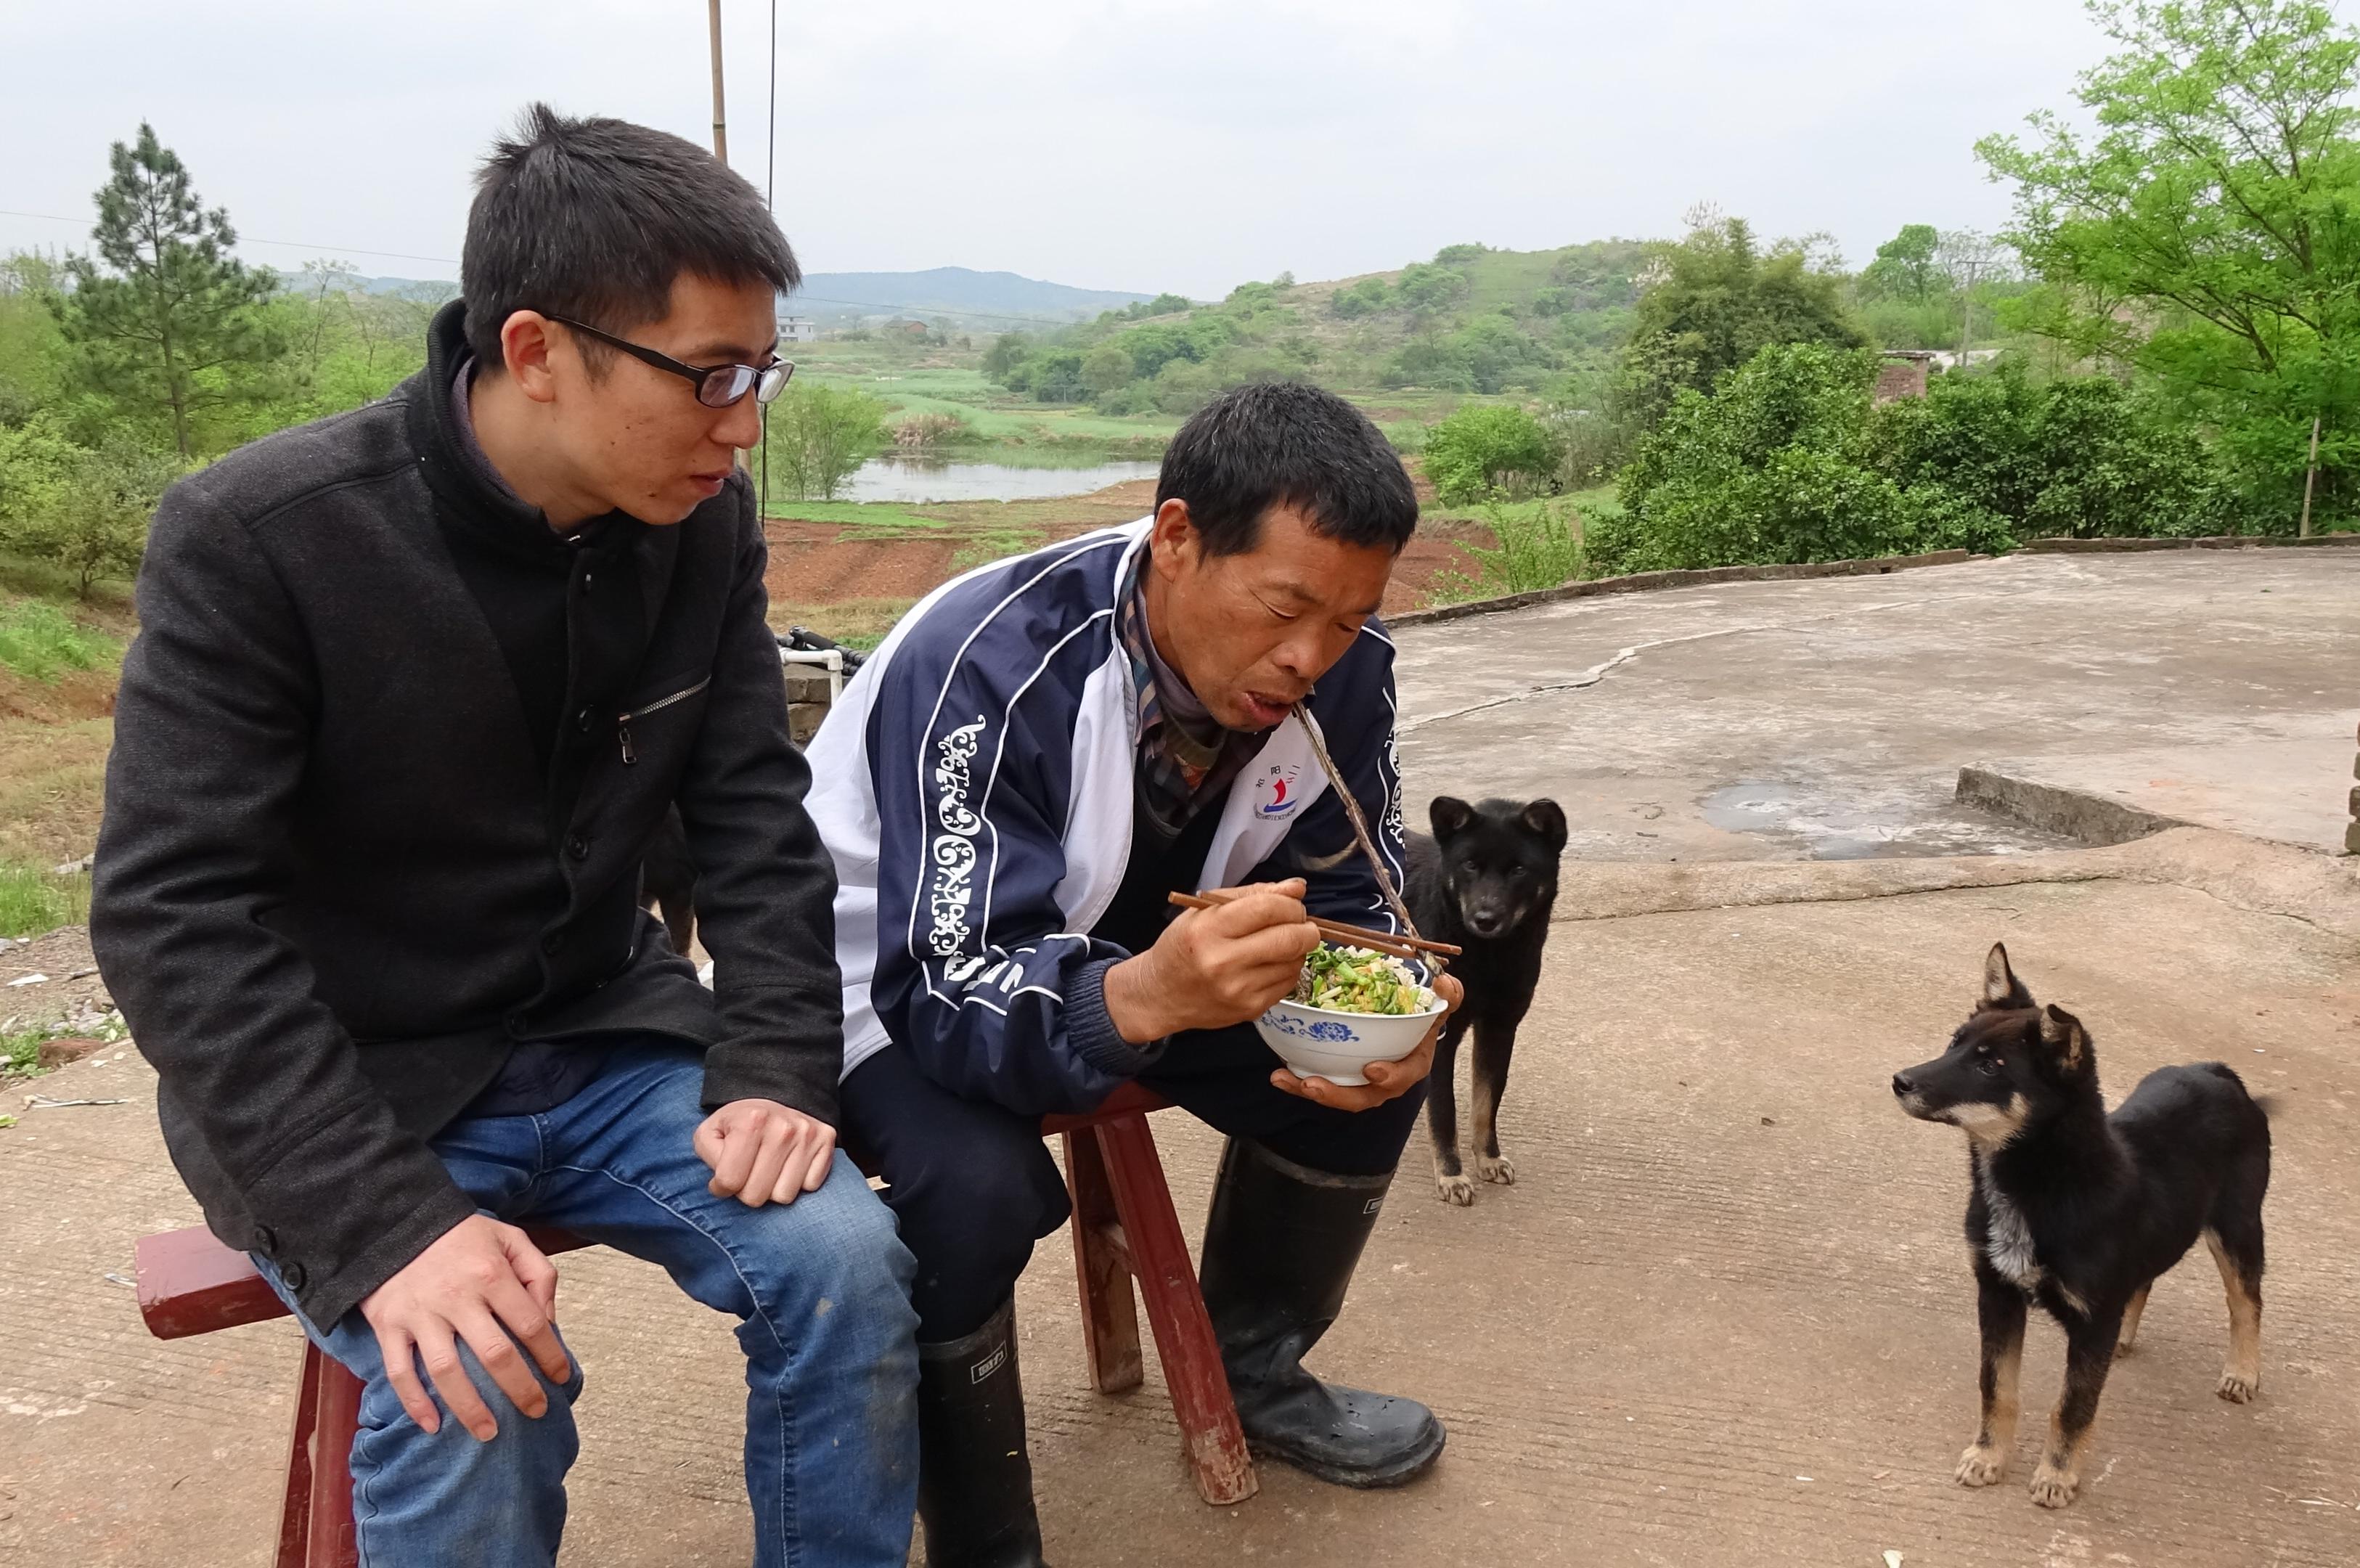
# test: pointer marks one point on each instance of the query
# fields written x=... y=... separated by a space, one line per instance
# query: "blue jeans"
x=820 y=1286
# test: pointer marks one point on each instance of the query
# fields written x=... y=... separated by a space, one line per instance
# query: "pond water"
x=912 y=479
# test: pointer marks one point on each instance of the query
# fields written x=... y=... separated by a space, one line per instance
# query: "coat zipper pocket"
x=623 y=721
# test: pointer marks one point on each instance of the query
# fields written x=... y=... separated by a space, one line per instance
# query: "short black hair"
x=595 y=218
x=1283 y=443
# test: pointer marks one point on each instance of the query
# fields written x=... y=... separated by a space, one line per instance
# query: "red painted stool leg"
x=315 y=1519
x=295 y=1507
x=1184 y=1333
x=1102 y=1269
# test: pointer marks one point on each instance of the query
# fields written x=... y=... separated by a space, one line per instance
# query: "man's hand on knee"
x=1214 y=967
x=476 y=1277
x=1387 y=1080
x=762 y=1152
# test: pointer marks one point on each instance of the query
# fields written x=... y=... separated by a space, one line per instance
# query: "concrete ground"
x=1829 y=718
x=1724 y=1317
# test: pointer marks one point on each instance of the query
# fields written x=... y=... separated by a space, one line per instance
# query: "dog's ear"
x=2001 y=987
x=1450 y=814
x=1546 y=818
x=2063 y=1033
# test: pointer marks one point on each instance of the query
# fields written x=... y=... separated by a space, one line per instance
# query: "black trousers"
x=973 y=1186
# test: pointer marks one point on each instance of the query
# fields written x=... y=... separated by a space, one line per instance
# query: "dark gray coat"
x=335 y=883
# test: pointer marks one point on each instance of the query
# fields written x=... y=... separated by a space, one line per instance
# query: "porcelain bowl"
x=1324 y=1043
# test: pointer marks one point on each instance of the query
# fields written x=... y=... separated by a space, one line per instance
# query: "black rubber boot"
x=1280 y=1247
x=975 y=1479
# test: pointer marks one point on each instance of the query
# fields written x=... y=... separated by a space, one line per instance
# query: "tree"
x=2208 y=232
x=95 y=524
x=1905 y=268
x=1008 y=351
x=817 y=436
x=1716 y=299
x=1480 y=451
x=1107 y=367
x=174 y=323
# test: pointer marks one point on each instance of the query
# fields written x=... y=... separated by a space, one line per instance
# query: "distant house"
x=798 y=329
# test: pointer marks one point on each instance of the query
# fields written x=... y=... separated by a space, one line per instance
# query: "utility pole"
x=720 y=126
x=2310 y=477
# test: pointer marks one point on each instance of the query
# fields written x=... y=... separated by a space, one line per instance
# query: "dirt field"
x=852 y=578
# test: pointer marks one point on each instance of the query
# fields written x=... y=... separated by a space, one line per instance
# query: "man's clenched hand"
x=472 y=1278
x=762 y=1152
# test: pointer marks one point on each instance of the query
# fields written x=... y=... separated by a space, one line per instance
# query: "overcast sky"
x=1155 y=144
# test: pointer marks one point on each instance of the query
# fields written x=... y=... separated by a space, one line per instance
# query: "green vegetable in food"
x=1355 y=980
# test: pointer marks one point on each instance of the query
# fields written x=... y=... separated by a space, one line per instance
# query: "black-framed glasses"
x=717 y=386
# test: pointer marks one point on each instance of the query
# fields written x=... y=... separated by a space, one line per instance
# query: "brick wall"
x=806 y=702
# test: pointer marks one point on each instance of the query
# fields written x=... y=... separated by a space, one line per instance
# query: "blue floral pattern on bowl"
x=1309 y=1028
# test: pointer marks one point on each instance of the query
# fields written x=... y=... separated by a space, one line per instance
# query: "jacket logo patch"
x=1276 y=794
x=952 y=886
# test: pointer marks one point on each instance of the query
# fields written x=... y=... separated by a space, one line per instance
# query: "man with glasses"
x=415 y=686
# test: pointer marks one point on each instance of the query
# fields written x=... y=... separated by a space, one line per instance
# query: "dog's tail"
x=2268 y=1102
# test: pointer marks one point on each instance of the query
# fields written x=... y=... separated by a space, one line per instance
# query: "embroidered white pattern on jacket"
x=953 y=851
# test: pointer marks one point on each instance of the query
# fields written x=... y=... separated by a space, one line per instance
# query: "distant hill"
x=1471 y=319
x=984 y=301
x=992 y=300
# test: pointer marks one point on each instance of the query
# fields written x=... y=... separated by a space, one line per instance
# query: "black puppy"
x=1485 y=881
x=2079 y=1211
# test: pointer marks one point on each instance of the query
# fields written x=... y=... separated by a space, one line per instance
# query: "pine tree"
x=171 y=323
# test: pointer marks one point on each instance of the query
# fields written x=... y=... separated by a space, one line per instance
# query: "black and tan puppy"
x=1486 y=881
x=2079 y=1211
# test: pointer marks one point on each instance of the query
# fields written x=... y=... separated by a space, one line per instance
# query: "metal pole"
x=720 y=127
x=2309 y=478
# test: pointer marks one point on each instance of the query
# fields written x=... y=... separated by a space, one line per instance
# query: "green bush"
x=1775 y=467
x=1481 y=450
x=1538 y=545
x=1787 y=461
x=2080 y=457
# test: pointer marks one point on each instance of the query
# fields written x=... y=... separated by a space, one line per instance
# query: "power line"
x=317 y=249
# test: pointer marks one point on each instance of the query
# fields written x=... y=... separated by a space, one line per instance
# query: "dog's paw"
x=2237 y=1388
x=2053 y=1487
x=1456 y=1189
x=1981 y=1466
x=2122 y=1348
x=1488 y=1169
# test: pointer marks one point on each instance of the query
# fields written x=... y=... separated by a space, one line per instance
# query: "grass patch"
x=995 y=544
x=888 y=518
x=41 y=642
x=34 y=902
x=1538 y=545
x=20 y=1057
x=52 y=787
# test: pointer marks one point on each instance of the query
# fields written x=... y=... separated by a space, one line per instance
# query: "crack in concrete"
x=1597 y=673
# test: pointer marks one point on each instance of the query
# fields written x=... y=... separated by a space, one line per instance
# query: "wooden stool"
x=1124 y=1227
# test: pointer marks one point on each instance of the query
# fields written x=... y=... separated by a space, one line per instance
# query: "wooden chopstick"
x=1359 y=936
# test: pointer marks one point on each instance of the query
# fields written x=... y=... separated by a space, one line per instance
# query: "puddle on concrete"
x=1828 y=823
